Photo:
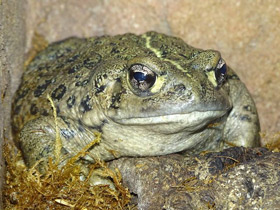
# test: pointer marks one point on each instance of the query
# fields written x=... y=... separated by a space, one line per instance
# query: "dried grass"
x=59 y=188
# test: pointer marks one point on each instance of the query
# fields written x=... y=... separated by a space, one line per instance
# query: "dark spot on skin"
x=116 y=100
x=183 y=56
x=74 y=69
x=245 y=118
x=57 y=110
x=59 y=92
x=100 y=89
x=41 y=88
x=100 y=78
x=98 y=41
x=66 y=133
x=20 y=94
x=92 y=60
x=117 y=80
x=85 y=104
x=180 y=88
x=73 y=58
x=88 y=63
x=44 y=112
x=164 y=53
x=82 y=83
x=34 y=109
x=71 y=101
x=115 y=50
x=163 y=73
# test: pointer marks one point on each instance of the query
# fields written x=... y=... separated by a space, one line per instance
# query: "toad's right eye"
x=141 y=77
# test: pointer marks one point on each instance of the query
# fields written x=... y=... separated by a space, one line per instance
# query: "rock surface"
x=236 y=178
x=12 y=39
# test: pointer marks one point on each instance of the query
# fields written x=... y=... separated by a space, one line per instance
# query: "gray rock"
x=237 y=178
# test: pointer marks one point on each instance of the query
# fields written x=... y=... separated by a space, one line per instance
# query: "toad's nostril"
x=180 y=88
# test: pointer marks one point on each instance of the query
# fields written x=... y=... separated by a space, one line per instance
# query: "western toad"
x=148 y=95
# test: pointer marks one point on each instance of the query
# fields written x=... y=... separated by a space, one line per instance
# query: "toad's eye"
x=141 y=77
x=221 y=72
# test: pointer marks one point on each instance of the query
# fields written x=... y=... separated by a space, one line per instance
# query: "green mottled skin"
x=187 y=108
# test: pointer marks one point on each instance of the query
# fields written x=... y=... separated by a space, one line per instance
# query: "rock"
x=236 y=178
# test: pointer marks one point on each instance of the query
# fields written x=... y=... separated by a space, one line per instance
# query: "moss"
x=59 y=188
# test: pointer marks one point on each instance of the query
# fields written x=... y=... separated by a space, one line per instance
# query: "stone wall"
x=12 y=42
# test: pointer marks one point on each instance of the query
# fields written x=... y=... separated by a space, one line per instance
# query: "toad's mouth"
x=193 y=119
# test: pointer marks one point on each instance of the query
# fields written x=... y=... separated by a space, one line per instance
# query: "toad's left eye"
x=221 y=72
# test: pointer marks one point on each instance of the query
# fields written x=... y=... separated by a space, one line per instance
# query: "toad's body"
x=147 y=95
